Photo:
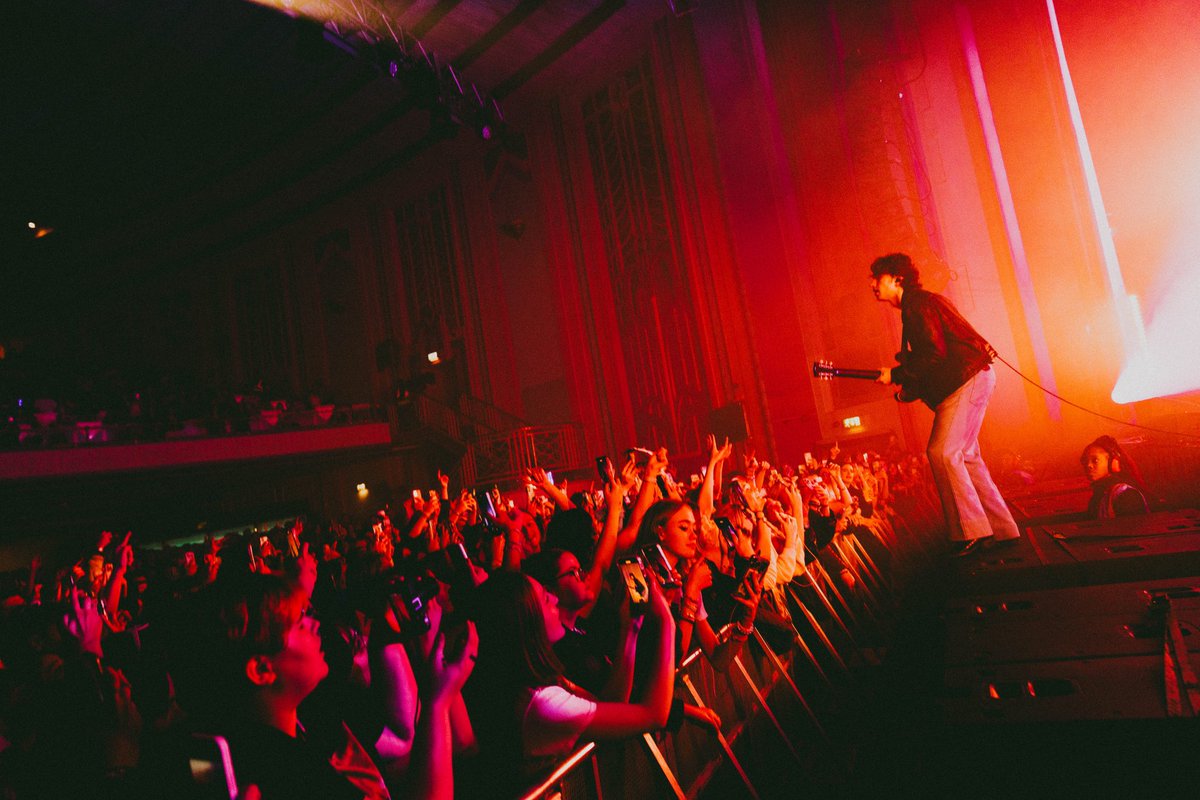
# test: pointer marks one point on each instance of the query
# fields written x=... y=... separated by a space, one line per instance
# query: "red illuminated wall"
x=692 y=227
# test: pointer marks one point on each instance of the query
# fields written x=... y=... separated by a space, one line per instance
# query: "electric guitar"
x=826 y=371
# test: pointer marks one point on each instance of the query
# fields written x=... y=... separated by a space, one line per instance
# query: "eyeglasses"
x=576 y=571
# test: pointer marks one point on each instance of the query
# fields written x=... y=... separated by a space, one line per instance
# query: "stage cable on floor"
x=1093 y=412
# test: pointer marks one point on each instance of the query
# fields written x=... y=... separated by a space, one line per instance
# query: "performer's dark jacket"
x=940 y=350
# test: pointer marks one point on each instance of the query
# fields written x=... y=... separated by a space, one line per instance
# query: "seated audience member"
x=1116 y=481
x=526 y=714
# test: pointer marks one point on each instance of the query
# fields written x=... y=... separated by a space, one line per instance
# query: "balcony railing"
x=503 y=458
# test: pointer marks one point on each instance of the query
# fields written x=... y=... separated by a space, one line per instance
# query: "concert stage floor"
x=1045 y=669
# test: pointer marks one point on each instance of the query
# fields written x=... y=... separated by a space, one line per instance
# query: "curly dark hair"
x=898 y=264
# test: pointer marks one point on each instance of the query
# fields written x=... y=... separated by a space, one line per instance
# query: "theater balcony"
x=66 y=479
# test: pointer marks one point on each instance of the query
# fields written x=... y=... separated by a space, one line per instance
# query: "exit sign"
x=852 y=422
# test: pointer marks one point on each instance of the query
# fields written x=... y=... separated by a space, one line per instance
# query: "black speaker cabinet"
x=1083 y=689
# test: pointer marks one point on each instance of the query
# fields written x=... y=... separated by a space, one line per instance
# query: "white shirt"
x=553 y=721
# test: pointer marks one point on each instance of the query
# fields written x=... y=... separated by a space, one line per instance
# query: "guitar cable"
x=1093 y=412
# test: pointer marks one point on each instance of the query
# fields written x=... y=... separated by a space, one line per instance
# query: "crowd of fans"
x=462 y=643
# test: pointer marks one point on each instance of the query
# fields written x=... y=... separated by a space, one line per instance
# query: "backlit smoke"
x=1169 y=363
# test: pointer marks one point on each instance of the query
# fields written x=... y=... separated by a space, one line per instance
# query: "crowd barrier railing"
x=770 y=728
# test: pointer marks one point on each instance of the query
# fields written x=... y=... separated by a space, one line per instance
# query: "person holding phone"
x=256 y=656
x=526 y=714
x=673 y=524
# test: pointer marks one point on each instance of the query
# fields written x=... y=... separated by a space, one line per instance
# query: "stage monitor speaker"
x=1165 y=544
x=1138 y=633
x=1124 y=688
x=729 y=421
x=1084 y=601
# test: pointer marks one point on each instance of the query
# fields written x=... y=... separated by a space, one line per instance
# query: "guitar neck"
x=827 y=371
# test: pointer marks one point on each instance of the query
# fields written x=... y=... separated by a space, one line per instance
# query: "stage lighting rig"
x=453 y=102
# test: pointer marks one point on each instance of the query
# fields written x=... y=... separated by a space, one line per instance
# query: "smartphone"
x=550 y=477
x=656 y=559
x=416 y=494
x=739 y=495
x=604 y=468
x=726 y=528
x=662 y=485
x=409 y=597
x=212 y=767
x=753 y=564
x=636 y=584
x=743 y=589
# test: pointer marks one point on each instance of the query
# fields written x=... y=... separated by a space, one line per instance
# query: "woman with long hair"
x=672 y=524
x=526 y=714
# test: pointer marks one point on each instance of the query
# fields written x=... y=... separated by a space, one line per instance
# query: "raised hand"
x=698 y=579
x=306 y=566
x=702 y=716
x=657 y=463
x=433 y=505
x=124 y=557
x=537 y=476
x=83 y=623
x=749 y=462
x=629 y=476
x=750 y=594
x=446 y=677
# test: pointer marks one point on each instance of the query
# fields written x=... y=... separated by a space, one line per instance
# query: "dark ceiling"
x=137 y=129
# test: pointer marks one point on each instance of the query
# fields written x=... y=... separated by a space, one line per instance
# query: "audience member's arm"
x=512 y=521
x=399 y=689
x=840 y=486
x=541 y=479
x=429 y=510
x=82 y=621
x=716 y=456
x=116 y=583
x=34 y=564
x=755 y=501
x=645 y=499
x=616 y=720
x=721 y=652
x=698 y=579
x=606 y=545
x=303 y=570
x=785 y=562
x=620 y=680
x=432 y=762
